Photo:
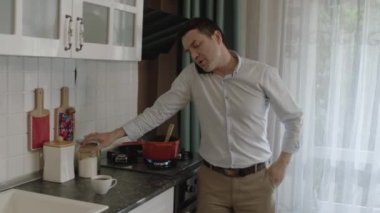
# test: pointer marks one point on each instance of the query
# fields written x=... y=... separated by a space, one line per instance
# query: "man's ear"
x=218 y=37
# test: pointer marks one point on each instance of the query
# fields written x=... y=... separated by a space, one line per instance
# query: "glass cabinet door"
x=96 y=21
x=124 y=28
x=34 y=27
x=127 y=28
x=108 y=29
x=128 y=2
x=7 y=16
x=93 y=29
x=40 y=18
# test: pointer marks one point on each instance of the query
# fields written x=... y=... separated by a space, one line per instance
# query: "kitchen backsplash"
x=104 y=94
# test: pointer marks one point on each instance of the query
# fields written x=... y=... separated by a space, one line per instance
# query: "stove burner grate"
x=159 y=164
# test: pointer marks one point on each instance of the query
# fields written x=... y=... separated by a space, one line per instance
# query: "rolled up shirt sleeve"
x=164 y=107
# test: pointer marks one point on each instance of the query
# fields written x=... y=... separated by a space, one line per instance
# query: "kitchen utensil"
x=156 y=149
x=153 y=147
x=64 y=119
x=169 y=132
x=59 y=161
x=38 y=122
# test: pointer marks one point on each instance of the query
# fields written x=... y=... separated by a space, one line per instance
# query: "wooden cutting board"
x=38 y=122
x=64 y=119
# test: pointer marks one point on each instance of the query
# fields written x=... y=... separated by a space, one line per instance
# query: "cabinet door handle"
x=69 y=34
x=80 y=32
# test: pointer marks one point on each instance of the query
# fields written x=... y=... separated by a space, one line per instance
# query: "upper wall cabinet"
x=91 y=29
x=34 y=27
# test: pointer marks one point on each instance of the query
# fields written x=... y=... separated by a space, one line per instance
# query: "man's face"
x=204 y=51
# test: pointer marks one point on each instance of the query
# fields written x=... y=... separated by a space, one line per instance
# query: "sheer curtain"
x=329 y=56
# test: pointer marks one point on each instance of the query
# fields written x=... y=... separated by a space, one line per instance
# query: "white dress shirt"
x=232 y=112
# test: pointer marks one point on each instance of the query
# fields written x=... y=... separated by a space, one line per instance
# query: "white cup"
x=102 y=183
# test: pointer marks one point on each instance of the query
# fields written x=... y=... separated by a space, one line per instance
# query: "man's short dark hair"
x=204 y=25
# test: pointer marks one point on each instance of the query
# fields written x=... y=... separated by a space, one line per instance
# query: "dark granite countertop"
x=132 y=189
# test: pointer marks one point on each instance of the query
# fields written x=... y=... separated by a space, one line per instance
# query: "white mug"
x=102 y=183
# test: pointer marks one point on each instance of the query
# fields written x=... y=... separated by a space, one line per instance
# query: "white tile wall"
x=104 y=95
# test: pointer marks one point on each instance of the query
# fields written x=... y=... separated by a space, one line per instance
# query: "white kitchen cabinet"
x=91 y=29
x=163 y=203
x=112 y=29
x=34 y=27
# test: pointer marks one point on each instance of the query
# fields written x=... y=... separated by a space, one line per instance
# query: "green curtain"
x=225 y=14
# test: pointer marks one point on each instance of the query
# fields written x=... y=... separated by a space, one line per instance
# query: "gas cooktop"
x=141 y=166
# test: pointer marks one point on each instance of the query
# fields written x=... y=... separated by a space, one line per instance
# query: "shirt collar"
x=238 y=65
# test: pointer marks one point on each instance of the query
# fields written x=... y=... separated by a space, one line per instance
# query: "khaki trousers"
x=218 y=193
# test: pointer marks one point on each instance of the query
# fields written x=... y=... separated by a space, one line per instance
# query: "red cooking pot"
x=154 y=148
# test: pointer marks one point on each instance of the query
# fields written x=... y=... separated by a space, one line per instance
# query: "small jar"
x=88 y=160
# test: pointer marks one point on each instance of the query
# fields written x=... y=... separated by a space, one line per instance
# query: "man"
x=232 y=96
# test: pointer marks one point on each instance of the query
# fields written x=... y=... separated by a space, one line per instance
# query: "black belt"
x=237 y=172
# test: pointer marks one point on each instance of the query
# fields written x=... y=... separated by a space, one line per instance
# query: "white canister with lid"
x=59 y=161
x=88 y=157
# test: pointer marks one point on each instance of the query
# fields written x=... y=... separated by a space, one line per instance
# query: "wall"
x=104 y=94
x=156 y=76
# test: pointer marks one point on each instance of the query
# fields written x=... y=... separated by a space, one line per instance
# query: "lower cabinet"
x=162 y=203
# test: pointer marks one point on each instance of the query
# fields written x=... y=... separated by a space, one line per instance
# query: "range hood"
x=159 y=32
